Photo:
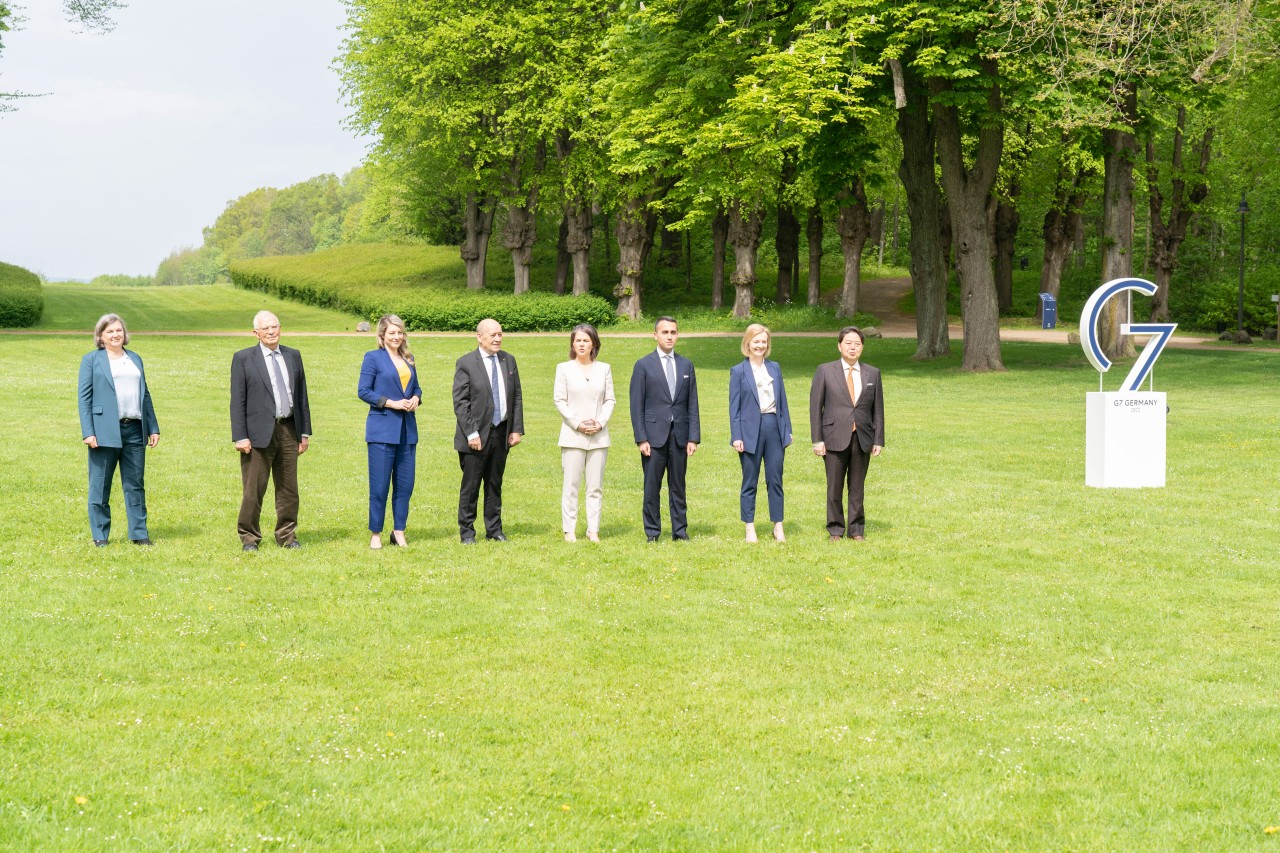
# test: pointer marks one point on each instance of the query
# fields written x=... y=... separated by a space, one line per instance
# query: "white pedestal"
x=1124 y=439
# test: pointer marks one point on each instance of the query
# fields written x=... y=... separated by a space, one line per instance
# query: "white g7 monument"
x=1125 y=429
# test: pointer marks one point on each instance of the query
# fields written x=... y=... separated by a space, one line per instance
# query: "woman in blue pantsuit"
x=118 y=424
x=389 y=384
x=759 y=426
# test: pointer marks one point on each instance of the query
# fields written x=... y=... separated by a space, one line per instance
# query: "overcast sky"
x=147 y=132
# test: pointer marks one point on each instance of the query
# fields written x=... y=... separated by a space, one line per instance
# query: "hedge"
x=423 y=284
x=21 y=297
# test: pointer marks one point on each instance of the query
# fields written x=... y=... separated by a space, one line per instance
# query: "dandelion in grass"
x=80 y=801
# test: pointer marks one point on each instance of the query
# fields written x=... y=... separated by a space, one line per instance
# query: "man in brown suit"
x=846 y=420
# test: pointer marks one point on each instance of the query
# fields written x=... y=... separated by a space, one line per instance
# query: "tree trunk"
x=968 y=196
x=1166 y=237
x=1061 y=224
x=854 y=226
x=477 y=224
x=744 y=235
x=578 y=243
x=1006 y=235
x=928 y=268
x=1119 y=152
x=877 y=227
x=719 y=237
x=814 y=235
x=518 y=236
x=787 y=242
x=562 y=255
x=634 y=232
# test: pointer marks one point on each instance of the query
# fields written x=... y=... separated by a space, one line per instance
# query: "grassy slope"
x=215 y=307
x=1012 y=661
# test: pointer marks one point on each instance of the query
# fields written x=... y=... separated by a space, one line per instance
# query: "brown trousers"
x=277 y=461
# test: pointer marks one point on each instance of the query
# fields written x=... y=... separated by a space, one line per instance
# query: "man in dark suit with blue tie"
x=846 y=422
x=664 y=420
x=271 y=427
x=489 y=407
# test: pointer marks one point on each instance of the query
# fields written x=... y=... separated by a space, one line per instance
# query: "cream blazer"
x=580 y=396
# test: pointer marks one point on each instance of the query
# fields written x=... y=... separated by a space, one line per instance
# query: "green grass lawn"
x=1012 y=661
x=211 y=307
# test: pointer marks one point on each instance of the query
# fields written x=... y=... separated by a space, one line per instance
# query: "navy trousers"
x=131 y=458
x=392 y=467
x=672 y=461
x=770 y=451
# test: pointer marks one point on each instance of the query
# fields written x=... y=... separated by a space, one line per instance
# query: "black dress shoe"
x=683 y=537
x=469 y=540
x=99 y=543
x=653 y=538
x=250 y=546
x=143 y=541
x=497 y=537
x=292 y=543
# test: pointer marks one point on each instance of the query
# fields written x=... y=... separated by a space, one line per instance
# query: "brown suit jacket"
x=832 y=414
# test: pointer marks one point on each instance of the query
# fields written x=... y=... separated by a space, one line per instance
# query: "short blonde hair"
x=753 y=330
x=104 y=321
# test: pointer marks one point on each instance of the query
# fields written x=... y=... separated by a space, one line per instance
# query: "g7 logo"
x=1089 y=331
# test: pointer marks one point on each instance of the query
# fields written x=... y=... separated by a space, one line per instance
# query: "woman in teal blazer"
x=389 y=384
x=118 y=424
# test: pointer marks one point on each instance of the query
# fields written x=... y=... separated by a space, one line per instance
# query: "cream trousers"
x=576 y=463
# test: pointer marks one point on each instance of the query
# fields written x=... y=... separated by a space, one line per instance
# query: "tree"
x=1187 y=189
x=94 y=15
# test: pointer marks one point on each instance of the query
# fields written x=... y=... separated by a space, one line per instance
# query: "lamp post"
x=1243 y=209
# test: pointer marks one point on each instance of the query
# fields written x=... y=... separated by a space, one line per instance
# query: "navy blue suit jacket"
x=655 y=415
x=99 y=413
x=380 y=382
x=744 y=405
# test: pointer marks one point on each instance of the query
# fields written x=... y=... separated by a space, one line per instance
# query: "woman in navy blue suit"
x=759 y=426
x=389 y=384
x=118 y=424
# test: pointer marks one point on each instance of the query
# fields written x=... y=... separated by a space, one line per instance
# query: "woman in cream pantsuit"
x=584 y=398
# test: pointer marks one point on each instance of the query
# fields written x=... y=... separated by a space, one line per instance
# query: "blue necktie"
x=497 y=396
x=285 y=403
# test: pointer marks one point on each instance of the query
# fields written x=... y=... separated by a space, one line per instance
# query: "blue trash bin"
x=1050 y=312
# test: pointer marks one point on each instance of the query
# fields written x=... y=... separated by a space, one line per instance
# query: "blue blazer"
x=655 y=416
x=744 y=405
x=99 y=412
x=380 y=382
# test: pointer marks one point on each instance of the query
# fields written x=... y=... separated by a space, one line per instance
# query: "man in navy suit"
x=664 y=419
x=846 y=422
x=489 y=407
x=271 y=427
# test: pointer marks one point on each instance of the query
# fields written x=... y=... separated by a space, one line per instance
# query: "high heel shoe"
x=375 y=542
x=398 y=538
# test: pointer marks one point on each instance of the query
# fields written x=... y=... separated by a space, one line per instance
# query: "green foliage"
x=423 y=284
x=189 y=265
x=21 y=297
x=110 y=280
x=1215 y=304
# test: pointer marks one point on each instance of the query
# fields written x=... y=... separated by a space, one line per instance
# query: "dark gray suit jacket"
x=832 y=414
x=473 y=398
x=253 y=406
